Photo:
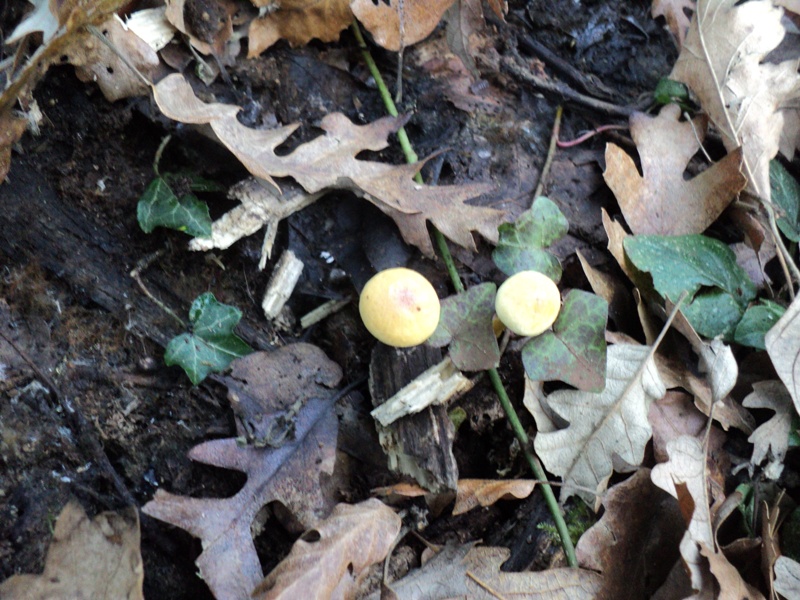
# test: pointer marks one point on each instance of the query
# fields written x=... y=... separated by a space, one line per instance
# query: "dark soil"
x=103 y=351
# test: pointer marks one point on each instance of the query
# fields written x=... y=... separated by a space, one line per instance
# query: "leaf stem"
x=494 y=376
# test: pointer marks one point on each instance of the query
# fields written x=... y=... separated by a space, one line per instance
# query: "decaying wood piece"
x=436 y=385
x=281 y=284
x=418 y=445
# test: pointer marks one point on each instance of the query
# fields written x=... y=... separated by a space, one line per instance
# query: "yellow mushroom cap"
x=399 y=307
x=528 y=303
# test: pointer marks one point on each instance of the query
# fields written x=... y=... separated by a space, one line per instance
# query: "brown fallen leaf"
x=722 y=61
x=331 y=560
x=676 y=15
x=397 y=24
x=291 y=474
x=662 y=201
x=268 y=389
x=329 y=162
x=88 y=558
x=466 y=571
x=675 y=415
x=298 y=22
x=635 y=541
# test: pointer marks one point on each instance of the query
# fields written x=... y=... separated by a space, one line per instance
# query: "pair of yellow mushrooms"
x=400 y=307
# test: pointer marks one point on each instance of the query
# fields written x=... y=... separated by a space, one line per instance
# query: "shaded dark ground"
x=90 y=165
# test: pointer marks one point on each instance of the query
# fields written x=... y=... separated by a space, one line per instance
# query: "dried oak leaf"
x=329 y=162
x=466 y=571
x=290 y=474
x=11 y=129
x=298 y=22
x=602 y=425
x=722 y=61
x=331 y=560
x=399 y=23
x=663 y=202
x=88 y=558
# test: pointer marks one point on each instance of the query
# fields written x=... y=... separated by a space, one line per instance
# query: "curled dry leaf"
x=399 y=23
x=472 y=493
x=298 y=22
x=662 y=201
x=88 y=558
x=290 y=474
x=331 y=560
x=329 y=162
x=722 y=61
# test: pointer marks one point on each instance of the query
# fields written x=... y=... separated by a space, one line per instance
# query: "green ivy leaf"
x=756 y=322
x=575 y=350
x=212 y=345
x=522 y=243
x=466 y=324
x=718 y=289
x=160 y=207
x=786 y=194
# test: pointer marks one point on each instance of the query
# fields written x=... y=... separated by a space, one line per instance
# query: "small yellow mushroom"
x=528 y=303
x=399 y=307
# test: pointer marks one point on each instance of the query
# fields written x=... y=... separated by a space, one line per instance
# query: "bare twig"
x=551 y=152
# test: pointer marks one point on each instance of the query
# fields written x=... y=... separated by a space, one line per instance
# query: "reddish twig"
x=589 y=134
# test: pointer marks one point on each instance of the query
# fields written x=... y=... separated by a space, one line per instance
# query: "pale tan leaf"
x=675 y=415
x=675 y=13
x=722 y=61
x=464 y=571
x=472 y=493
x=636 y=539
x=771 y=439
x=331 y=560
x=298 y=22
x=787 y=577
x=783 y=347
x=399 y=23
x=88 y=558
x=95 y=61
x=684 y=478
x=612 y=422
x=662 y=201
x=616 y=235
x=610 y=289
x=329 y=162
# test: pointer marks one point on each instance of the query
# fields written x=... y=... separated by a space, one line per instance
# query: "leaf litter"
x=585 y=435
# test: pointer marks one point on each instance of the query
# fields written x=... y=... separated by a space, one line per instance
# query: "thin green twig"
x=494 y=376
